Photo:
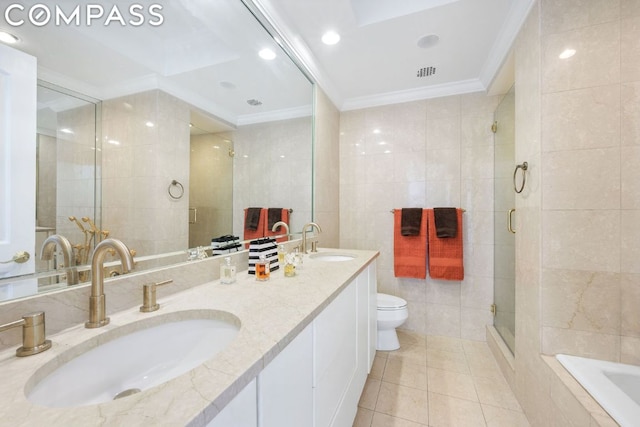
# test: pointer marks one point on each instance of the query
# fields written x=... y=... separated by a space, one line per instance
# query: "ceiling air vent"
x=254 y=102
x=425 y=72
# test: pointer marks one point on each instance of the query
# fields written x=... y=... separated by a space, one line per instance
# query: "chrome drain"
x=126 y=393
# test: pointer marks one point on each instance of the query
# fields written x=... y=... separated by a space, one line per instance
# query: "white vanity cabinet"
x=242 y=411
x=317 y=379
x=285 y=389
x=335 y=353
x=342 y=351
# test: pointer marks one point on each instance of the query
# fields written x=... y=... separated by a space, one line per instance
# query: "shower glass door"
x=504 y=214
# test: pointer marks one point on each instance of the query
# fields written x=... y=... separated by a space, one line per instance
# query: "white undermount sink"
x=332 y=256
x=136 y=361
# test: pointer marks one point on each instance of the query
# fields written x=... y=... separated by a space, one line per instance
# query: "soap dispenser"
x=227 y=271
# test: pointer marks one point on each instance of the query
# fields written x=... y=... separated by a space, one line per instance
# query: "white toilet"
x=392 y=312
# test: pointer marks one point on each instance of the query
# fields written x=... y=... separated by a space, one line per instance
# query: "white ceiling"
x=377 y=59
x=205 y=52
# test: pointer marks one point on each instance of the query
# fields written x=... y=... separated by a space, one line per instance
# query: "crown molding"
x=502 y=47
x=272 y=116
x=408 y=95
x=67 y=82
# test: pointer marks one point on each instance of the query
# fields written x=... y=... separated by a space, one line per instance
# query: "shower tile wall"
x=589 y=156
x=437 y=152
x=579 y=231
x=210 y=188
x=137 y=171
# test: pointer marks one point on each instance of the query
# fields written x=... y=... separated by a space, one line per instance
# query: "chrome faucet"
x=281 y=223
x=304 y=236
x=48 y=248
x=97 y=301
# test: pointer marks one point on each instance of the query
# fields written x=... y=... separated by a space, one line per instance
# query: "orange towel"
x=259 y=232
x=445 y=255
x=284 y=217
x=409 y=252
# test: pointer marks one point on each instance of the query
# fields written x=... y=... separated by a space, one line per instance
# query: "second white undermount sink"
x=332 y=256
x=135 y=362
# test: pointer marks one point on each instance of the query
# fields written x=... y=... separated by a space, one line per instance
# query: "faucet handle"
x=149 y=303
x=33 y=334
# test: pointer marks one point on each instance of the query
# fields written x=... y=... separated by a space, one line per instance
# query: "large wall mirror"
x=161 y=136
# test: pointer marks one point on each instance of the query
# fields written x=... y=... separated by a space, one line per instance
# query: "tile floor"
x=437 y=382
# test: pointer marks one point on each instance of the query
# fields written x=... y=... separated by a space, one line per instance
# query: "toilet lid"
x=390 y=302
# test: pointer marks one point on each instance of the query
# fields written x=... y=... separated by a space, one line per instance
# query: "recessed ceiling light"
x=425 y=42
x=330 y=37
x=8 y=38
x=567 y=53
x=150 y=124
x=267 y=54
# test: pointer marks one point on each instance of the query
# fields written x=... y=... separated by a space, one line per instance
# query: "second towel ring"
x=179 y=192
x=524 y=166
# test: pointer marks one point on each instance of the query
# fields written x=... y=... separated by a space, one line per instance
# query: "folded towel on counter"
x=252 y=219
x=445 y=255
x=446 y=222
x=409 y=252
x=410 y=222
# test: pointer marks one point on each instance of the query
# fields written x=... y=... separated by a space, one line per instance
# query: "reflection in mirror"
x=65 y=176
x=178 y=130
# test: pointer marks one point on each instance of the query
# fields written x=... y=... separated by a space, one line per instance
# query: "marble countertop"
x=271 y=313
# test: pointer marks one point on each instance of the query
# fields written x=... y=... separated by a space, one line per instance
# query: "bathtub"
x=615 y=386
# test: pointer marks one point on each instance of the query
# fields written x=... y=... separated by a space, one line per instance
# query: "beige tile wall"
x=272 y=168
x=327 y=171
x=75 y=172
x=137 y=172
x=589 y=178
x=437 y=152
x=577 y=288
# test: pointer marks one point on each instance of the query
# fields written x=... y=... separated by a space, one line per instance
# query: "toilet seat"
x=390 y=303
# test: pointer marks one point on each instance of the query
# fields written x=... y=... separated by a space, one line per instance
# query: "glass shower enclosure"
x=504 y=220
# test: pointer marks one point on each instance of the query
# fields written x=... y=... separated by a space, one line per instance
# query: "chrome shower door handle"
x=195 y=215
x=510 y=221
x=19 y=258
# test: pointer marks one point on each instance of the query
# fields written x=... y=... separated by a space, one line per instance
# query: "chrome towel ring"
x=524 y=166
x=176 y=194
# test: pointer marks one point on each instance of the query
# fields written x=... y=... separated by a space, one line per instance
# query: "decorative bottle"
x=262 y=269
x=281 y=253
x=227 y=271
